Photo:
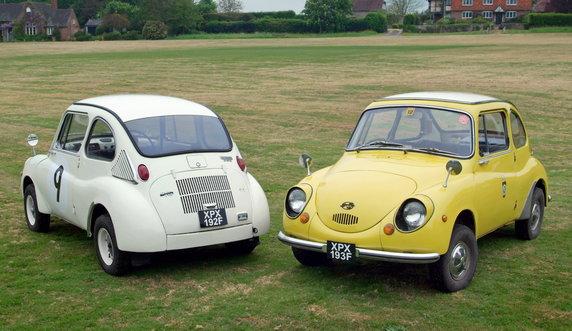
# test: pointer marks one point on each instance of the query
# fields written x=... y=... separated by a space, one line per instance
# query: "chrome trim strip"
x=415 y=258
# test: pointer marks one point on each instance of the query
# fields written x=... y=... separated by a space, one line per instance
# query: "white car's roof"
x=135 y=106
x=460 y=97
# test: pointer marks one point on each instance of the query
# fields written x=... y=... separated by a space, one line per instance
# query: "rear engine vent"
x=196 y=192
x=345 y=219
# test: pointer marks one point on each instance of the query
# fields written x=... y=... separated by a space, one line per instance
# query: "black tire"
x=529 y=229
x=455 y=270
x=37 y=222
x=113 y=260
x=310 y=258
x=243 y=247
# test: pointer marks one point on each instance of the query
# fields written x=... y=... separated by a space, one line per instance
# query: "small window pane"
x=518 y=133
x=101 y=142
x=72 y=132
x=492 y=133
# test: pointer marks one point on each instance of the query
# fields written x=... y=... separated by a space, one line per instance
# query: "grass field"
x=280 y=98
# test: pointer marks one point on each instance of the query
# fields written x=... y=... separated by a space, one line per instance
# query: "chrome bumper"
x=416 y=258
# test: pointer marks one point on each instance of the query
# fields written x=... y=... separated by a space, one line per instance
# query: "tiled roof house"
x=38 y=18
x=498 y=11
x=363 y=7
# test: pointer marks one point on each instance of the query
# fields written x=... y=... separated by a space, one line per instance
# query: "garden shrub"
x=549 y=19
x=154 y=30
x=81 y=35
x=376 y=22
x=115 y=35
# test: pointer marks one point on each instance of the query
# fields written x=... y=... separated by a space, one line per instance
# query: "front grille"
x=197 y=192
x=345 y=219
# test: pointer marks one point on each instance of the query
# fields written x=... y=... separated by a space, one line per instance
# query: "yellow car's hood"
x=361 y=189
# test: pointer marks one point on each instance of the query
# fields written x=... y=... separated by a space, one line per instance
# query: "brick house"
x=37 y=18
x=363 y=7
x=497 y=11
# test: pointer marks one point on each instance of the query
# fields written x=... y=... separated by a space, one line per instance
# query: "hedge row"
x=536 y=20
x=245 y=17
x=446 y=28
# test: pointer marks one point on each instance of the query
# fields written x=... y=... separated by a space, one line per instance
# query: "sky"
x=272 y=5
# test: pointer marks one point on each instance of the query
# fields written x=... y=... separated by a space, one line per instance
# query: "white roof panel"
x=460 y=97
x=135 y=106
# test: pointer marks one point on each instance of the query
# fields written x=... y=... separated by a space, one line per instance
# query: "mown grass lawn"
x=279 y=98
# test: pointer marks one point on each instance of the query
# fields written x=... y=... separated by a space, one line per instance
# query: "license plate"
x=212 y=217
x=341 y=251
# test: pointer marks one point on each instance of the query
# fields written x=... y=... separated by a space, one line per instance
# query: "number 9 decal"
x=58 y=180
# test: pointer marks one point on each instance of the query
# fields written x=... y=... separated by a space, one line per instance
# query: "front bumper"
x=414 y=258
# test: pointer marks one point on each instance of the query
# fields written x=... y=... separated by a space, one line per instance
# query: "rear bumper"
x=208 y=238
x=415 y=258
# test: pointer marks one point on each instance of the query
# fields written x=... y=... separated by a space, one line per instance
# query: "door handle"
x=483 y=161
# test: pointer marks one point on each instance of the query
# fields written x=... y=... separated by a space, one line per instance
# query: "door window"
x=101 y=142
x=72 y=132
x=518 y=133
x=492 y=133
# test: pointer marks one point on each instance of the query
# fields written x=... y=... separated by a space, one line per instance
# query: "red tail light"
x=241 y=163
x=143 y=172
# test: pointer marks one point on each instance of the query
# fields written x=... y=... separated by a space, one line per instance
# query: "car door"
x=65 y=159
x=523 y=178
x=494 y=174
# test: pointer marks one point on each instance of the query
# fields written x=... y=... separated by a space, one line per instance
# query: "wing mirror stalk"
x=33 y=141
x=305 y=161
x=454 y=168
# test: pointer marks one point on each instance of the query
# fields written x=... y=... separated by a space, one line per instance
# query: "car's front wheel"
x=455 y=269
x=310 y=258
x=243 y=247
x=113 y=260
x=529 y=228
x=37 y=221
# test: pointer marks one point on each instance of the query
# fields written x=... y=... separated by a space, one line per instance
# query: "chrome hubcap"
x=31 y=210
x=535 y=216
x=105 y=246
x=460 y=261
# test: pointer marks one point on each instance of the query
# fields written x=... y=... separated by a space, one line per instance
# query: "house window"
x=31 y=29
x=510 y=14
x=488 y=14
x=49 y=31
x=470 y=2
x=511 y=2
x=467 y=14
x=487 y=2
x=447 y=2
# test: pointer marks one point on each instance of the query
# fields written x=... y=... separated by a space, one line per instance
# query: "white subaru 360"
x=144 y=173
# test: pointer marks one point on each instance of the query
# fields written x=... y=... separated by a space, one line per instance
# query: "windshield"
x=418 y=129
x=177 y=134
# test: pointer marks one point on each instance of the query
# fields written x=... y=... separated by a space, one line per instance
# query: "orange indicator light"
x=444 y=218
x=388 y=229
x=304 y=218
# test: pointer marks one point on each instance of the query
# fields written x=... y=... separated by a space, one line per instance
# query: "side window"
x=101 y=143
x=72 y=132
x=518 y=133
x=492 y=133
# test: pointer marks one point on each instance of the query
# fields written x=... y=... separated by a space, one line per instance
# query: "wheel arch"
x=96 y=211
x=467 y=219
x=541 y=184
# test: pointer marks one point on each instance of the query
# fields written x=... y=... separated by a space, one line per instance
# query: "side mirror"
x=454 y=168
x=305 y=161
x=33 y=141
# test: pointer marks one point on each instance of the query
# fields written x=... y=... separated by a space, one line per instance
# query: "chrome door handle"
x=481 y=162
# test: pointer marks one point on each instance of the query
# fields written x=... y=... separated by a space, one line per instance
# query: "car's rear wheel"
x=310 y=258
x=37 y=221
x=243 y=247
x=529 y=228
x=455 y=269
x=113 y=260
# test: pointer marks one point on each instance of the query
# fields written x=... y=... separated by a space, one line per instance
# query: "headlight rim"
x=400 y=223
x=288 y=210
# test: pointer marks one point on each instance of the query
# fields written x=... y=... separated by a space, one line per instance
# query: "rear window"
x=179 y=134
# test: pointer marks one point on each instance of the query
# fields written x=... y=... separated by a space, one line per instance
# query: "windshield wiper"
x=434 y=150
x=379 y=143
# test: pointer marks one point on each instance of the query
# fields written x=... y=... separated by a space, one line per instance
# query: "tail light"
x=143 y=172
x=241 y=163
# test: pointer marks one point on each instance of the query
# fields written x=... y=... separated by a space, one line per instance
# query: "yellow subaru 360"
x=423 y=176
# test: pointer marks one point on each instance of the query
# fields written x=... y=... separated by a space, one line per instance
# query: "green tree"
x=181 y=16
x=403 y=7
x=328 y=15
x=206 y=6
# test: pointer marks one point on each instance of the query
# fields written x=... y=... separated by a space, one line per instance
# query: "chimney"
x=55 y=4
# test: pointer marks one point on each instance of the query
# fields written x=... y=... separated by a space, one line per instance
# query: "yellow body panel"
x=490 y=192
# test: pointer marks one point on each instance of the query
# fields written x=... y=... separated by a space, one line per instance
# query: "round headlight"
x=411 y=215
x=295 y=202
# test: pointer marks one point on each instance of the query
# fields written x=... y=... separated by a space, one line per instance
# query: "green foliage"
x=181 y=16
x=115 y=35
x=328 y=15
x=410 y=19
x=206 y=7
x=131 y=35
x=154 y=30
x=376 y=22
x=356 y=24
x=81 y=35
x=229 y=6
x=552 y=19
